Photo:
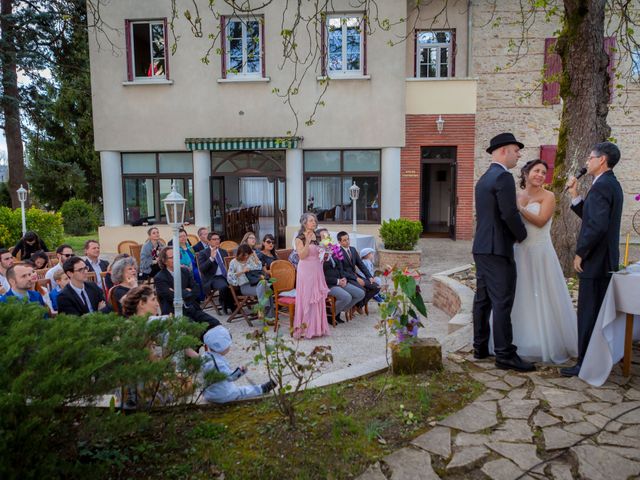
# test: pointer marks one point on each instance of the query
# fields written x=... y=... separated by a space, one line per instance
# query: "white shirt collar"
x=595 y=179
x=77 y=290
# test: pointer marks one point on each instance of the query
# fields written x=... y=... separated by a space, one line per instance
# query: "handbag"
x=254 y=277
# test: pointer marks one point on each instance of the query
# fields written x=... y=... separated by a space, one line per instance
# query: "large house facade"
x=406 y=123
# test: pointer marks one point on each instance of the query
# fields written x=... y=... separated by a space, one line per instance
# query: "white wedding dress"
x=544 y=322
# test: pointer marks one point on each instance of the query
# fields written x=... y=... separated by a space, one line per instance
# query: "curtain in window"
x=257 y=191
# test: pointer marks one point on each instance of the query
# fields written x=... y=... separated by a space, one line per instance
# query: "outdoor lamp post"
x=174 y=205
x=22 y=196
x=354 y=193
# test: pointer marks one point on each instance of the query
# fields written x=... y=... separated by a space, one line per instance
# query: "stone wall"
x=453 y=298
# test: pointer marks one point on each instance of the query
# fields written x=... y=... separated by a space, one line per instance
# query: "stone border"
x=453 y=298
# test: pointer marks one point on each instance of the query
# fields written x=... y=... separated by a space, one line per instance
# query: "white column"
x=295 y=179
x=390 y=188
x=201 y=197
x=112 y=189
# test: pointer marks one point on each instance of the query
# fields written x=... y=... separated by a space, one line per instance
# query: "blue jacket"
x=31 y=294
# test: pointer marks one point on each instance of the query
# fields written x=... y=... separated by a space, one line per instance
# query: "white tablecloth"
x=358 y=240
x=606 y=346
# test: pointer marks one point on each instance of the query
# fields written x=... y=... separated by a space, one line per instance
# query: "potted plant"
x=400 y=237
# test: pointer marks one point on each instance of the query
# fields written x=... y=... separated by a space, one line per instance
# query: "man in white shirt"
x=92 y=252
x=63 y=252
x=6 y=262
x=79 y=296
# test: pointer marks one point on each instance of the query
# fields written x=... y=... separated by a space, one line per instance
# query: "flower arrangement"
x=327 y=245
x=638 y=198
x=403 y=304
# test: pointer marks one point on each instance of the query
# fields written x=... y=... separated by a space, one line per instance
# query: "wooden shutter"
x=552 y=67
x=323 y=45
x=223 y=44
x=609 y=48
x=129 y=46
x=364 y=46
x=166 y=48
x=452 y=73
x=548 y=155
x=262 y=42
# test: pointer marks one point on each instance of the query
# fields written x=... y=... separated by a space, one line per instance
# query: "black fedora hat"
x=501 y=140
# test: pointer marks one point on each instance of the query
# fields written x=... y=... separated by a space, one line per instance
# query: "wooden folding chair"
x=283 y=253
x=43 y=282
x=41 y=272
x=212 y=297
x=230 y=247
x=111 y=298
x=244 y=303
x=135 y=252
x=193 y=239
x=91 y=277
x=284 y=274
x=125 y=246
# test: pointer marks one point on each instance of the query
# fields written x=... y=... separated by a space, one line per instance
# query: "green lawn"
x=77 y=242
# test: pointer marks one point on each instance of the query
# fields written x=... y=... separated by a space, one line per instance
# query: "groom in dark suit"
x=598 y=248
x=498 y=227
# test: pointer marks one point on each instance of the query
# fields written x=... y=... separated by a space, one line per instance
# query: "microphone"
x=581 y=173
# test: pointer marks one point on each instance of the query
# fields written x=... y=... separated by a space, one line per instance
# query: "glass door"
x=217 y=206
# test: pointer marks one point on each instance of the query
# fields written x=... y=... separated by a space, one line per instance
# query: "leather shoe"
x=481 y=353
x=570 y=371
x=515 y=363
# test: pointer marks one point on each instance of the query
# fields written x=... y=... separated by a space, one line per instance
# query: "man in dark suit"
x=79 y=296
x=346 y=294
x=163 y=282
x=598 y=250
x=350 y=262
x=203 y=244
x=498 y=227
x=213 y=270
x=93 y=261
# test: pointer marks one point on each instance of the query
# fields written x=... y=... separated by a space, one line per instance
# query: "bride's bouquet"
x=327 y=245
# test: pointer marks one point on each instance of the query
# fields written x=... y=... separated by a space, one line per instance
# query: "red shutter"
x=262 y=40
x=166 y=48
x=364 y=46
x=323 y=46
x=452 y=73
x=610 y=50
x=223 y=43
x=552 y=67
x=548 y=155
x=127 y=39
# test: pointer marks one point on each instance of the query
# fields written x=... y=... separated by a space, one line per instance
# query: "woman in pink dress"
x=311 y=288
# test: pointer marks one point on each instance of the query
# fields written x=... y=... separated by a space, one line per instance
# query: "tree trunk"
x=584 y=89
x=11 y=103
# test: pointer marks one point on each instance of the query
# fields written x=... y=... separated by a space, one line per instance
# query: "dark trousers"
x=220 y=283
x=370 y=291
x=591 y=292
x=495 y=291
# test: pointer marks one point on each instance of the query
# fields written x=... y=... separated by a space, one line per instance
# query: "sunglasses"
x=66 y=255
x=268 y=241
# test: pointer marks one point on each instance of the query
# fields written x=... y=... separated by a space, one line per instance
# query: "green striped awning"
x=242 y=143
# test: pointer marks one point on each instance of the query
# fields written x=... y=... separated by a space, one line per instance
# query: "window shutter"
x=166 y=48
x=129 y=47
x=223 y=43
x=609 y=48
x=548 y=155
x=262 y=41
x=453 y=53
x=416 y=73
x=323 y=45
x=364 y=46
x=552 y=67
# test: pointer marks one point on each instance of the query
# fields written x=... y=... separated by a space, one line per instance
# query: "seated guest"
x=149 y=253
x=188 y=259
x=346 y=294
x=350 y=263
x=27 y=245
x=22 y=285
x=40 y=260
x=107 y=278
x=203 y=244
x=92 y=252
x=6 y=262
x=249 y=239
x=214 y=271
x=124 y=275
x=245 y=265
x=80 y=296
x=190 y=290
x=63 y=252
x=267 y=254
x=61 y=280
x=368 y=257
x=140 y=301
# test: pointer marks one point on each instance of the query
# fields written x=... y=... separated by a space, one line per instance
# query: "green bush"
x=47 y=225
x=79 y=217
x=5 y=196
x=400 y=234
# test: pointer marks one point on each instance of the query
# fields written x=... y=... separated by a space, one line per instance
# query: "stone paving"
x=528 y=426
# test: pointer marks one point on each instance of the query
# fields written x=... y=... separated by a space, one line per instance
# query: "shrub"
x=400 y=234
x=79 y=217
x=5 y=196
x=46 y=224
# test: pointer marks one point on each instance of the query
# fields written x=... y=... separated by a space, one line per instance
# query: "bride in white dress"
x=543 y=318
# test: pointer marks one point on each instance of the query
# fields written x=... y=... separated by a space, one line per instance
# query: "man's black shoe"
x=339 y=319
x=571 y=371
x=480 y=354
x=515 y=363
x=267 y=387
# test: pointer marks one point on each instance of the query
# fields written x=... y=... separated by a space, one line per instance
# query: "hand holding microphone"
x=572 y=184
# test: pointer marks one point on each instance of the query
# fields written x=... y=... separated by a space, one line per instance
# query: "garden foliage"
x=47 y=225
x=79 y=217
x=400 y=234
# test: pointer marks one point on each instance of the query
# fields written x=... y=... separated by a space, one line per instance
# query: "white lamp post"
x=174 y=206
x=22 y=196
x=354 y=193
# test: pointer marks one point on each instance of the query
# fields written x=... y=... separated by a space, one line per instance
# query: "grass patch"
x=77 y=241
x=341 y=430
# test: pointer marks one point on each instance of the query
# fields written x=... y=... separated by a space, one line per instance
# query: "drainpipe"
x=469 y=26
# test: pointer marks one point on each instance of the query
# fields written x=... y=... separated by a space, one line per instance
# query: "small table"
x=614 y=330
x=358 y=240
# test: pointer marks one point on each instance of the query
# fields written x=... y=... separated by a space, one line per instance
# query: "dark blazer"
x=104 y=265
x=599 y=239
x=70 y=303
x=349 y=266
x=164 y=289
x=498 y=222
x=210 y=269
x=198 y=247
x=332 y=271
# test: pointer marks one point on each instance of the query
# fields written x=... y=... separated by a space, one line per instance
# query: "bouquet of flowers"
x=327 y=245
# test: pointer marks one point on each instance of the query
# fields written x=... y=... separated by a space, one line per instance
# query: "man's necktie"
x=223 y=270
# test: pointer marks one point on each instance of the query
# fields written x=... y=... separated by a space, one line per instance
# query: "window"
x=146 y=53
x=147 y=179
x=434 y=54
x=243 y=48
x=328 y=176
x=635 y=64
x=345 y=45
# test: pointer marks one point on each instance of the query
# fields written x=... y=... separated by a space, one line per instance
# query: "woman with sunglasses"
x=267 y=254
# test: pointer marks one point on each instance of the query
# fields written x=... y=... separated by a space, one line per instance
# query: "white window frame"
x=344 y=72
x=243 y=21
x=133 y=50
x=439 y=46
